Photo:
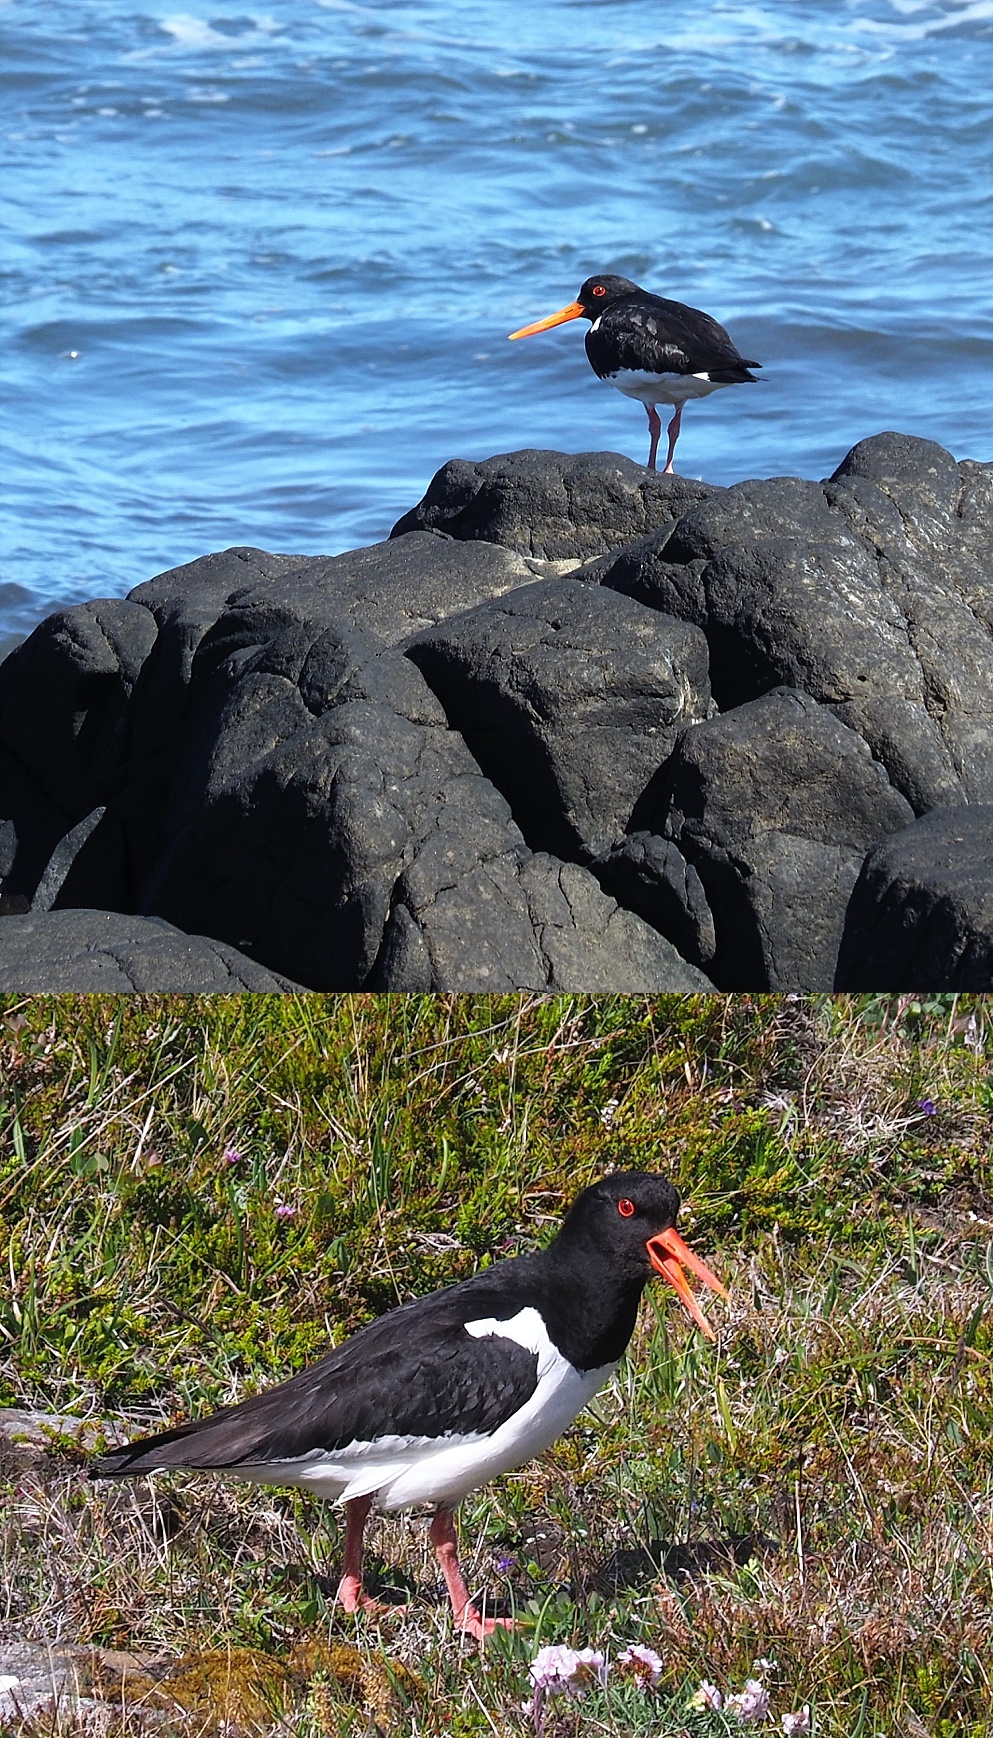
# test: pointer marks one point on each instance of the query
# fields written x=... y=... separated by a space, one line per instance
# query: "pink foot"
x=351 y=1597
x=469 y=1620
x=472 y=1623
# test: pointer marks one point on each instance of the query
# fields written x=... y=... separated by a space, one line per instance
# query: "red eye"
x=598 y=290
x=625 y=1208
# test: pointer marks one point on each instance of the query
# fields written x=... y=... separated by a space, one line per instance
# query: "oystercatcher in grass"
x=442 y=1394
x=661 y=352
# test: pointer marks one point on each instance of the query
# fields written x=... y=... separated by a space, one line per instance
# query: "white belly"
x=662 y=388
x=406 y=1470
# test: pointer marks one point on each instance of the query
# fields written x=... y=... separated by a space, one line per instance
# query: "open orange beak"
x=573 y=312
x=668 y=1255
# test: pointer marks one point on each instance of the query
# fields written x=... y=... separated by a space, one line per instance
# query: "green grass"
x=816 y=1489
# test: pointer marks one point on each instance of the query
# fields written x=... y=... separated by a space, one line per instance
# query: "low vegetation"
x=196 y=1194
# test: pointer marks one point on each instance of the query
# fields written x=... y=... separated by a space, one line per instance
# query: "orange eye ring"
x=625 y=1208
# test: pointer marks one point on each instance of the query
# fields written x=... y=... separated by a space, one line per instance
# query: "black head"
x=619 y=1214
x=628 y=1222
x=595 y=295
x=598 y=293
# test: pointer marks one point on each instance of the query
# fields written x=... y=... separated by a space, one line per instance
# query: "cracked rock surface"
x=573 y=726
x=571 y=698
x=775 y=805
x=870 y=592
x=559 y=507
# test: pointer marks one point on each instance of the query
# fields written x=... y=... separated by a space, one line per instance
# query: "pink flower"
x=799 y=1722
x=749 y=1705
x=285 y=1211
x=642 y=1663
x=567 y=1668
x=232 y=1156
x=707 y=1697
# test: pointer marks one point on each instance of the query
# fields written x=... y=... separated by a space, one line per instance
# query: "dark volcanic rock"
x=286 y=781
x=335 y=822
x=921 y=915
x=535 y=923
x=775 y=805
x=561 y=507
x=65 y=696
x=570 y=698
x=650 y=875
x=870 y=592
x=389 y=591
x=95 y=706
x=431 y=765
x=50 y=951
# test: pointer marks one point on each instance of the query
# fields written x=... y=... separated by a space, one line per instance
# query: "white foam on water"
x=192 y=32
x=968 y=12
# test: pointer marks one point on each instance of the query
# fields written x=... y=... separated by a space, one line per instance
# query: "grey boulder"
x=921 y=913
x=559 y=507
x=46 y=952
x=870 y=592
x=281 y=777
x=570 y=698
x=774 y=806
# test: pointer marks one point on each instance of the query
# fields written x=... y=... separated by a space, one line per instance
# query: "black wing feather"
x=414 y=1372
x=663 y=337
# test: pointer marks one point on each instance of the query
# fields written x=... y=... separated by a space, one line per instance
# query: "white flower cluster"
x=642 y=1663
x=570 y=1669
x=751 y=1705
x=573 y=1671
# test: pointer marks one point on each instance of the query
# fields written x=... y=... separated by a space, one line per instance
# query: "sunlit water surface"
x=260 y=265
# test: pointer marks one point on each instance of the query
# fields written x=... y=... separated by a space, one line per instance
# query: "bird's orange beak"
x=668 y=1255
x=572 y=312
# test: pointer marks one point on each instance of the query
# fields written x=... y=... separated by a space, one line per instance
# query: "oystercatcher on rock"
x=446 y=1392
x=661 y=352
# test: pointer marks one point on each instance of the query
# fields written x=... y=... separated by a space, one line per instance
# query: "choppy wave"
x=261 y=264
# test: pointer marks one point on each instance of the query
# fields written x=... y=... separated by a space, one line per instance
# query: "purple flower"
x=505 y=1563
x=285 y=1211
x=927 y=1107
x=751 y=1704
x=232 y=1156
x=799 y=1722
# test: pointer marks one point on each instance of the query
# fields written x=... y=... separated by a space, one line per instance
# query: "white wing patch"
x=417 y=1469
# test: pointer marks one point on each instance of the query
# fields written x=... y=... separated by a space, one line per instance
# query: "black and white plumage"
x=658 y=351
x=451 y=1389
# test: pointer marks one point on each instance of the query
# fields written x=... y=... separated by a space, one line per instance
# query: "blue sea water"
x=260 y=264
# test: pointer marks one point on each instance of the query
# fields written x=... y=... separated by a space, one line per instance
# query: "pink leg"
x=673 y=433
x=447 y=1552
x=350 y=1595
x=655 y=426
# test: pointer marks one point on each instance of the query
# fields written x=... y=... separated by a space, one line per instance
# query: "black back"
x=636 y=330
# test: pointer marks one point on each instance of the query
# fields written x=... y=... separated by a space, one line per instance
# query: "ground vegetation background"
x=196 y=1194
